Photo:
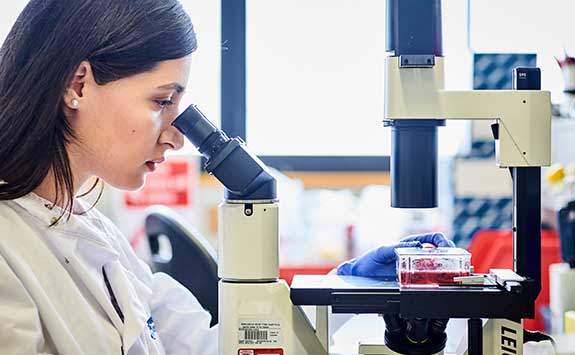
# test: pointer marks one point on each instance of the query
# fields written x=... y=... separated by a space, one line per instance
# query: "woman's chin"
x=129 y=184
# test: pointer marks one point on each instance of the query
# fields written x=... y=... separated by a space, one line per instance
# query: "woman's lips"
x=151 y=165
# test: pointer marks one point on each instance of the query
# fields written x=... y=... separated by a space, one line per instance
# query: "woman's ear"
x=75 y=91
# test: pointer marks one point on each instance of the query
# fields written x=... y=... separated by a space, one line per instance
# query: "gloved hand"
x=380 y=262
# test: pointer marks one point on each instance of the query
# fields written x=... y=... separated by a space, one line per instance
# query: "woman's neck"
x=47 y=190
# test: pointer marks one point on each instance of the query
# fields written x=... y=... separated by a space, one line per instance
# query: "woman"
x=89 y=88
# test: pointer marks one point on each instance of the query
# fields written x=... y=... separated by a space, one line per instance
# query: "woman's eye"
x=164 y=103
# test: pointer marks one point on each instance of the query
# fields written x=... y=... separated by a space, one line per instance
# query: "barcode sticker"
x=259 y=332
x=261 y=352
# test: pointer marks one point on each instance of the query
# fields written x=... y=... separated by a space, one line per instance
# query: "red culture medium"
x=427 y=274
x=429 y=277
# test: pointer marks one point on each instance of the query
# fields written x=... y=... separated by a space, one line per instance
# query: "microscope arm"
x=524 y=132
x=524 y=116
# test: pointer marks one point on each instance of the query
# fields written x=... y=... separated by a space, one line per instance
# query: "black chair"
x=183 y=253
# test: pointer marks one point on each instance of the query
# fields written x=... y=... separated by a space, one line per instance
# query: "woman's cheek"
x=146 y=127
x=155 y=120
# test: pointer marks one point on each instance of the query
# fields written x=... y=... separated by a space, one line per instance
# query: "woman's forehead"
x=167 y=75
x=177 y=70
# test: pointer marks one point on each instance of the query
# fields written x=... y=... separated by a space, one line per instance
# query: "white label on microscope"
x=259 y=332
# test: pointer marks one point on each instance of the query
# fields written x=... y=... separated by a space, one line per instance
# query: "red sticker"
x=171 y=185
x=261 y=352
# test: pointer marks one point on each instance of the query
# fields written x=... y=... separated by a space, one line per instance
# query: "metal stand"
x=475 y=336
x=527 y=224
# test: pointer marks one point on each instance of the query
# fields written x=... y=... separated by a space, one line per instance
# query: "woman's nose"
x=172 y=137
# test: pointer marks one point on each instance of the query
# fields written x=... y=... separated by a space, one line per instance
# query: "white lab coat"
x=54 y=300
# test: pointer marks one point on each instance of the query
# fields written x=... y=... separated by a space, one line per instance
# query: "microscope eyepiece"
x=243 y=174
x=206 y=137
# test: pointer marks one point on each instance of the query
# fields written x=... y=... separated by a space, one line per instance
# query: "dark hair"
x=49 y=40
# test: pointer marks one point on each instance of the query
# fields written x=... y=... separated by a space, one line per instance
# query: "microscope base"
x=259 y=318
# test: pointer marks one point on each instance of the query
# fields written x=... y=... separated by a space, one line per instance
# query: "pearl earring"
x=75 y=103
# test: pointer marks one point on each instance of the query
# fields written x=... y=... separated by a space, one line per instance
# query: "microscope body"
x=256 y=313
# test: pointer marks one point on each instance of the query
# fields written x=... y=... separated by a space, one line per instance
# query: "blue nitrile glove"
x=380 y=262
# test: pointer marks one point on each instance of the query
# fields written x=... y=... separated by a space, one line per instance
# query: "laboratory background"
x=302 y=82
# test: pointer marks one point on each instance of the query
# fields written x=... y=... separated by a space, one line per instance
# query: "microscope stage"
x=353 y=294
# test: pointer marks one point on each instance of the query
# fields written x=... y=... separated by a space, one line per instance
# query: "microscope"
x=260 y=315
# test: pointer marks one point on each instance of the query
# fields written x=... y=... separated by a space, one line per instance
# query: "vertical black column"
x=475 y=337
x=233 y=80
x=527 y=224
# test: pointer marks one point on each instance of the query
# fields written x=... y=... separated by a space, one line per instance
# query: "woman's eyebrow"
x=173 y=86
